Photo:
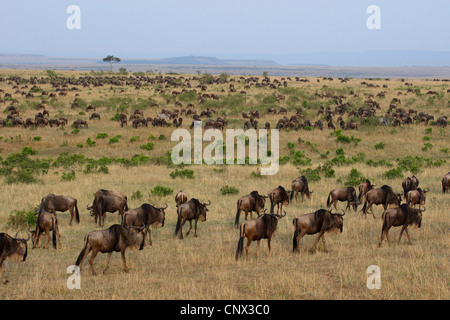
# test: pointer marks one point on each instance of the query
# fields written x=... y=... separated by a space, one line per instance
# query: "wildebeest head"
x=201 y=208
x=18 y=248
x=135 y=236
x=160 y=218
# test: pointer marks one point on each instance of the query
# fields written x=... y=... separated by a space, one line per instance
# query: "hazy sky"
x=225 y=29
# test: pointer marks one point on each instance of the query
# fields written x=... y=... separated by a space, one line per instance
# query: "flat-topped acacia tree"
x=111 y=59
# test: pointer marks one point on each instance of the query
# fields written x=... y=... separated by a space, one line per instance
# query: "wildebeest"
x=410 y=183
x=46 y=222
x=343 y=194
x=320 y=221
x=146 y=215
x=105 y=203
x=446 y=182
x=191 y=210
x=263 y=227
x=253 y=202
x=384 y=196
x=53 y=203
x=363 y=188
x=278 y=197
x=180 y=198
x=114 y=239
x=403 y=216
x=15 y=249
x=300 y=184
x=416 y=196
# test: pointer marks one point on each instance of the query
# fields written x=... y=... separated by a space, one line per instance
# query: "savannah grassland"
x=205 y=267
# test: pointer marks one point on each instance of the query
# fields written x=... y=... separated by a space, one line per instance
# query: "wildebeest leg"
x=91 y=261
x=407 y=234
x=324 y=244
x=268 y=244
x=71 y=215
x=181 y=228
x=37 y=237
x=195 y=228
x=2 y=265
x=317 y=241
x=108 y=258
x=297 y=239
x=124 y=260
x=149 y=235
x=49 y=238
x=258 y=242
x=404 y=228
x=190 y=228
x=249 y=241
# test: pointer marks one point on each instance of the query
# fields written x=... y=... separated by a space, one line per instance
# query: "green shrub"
x=186 y=173
x=229 y=190
x=354 y=178
x=90 y=143
x=312 y=174
x=393 y=173
x=148 y=146
x=136 y=195
x=380 y=146
x=161 y=191
x=37 y=138
x=22 y=219
x=68 y=176
x=102 y=135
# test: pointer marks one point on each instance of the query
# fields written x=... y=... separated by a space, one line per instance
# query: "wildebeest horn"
x=207 y=204
x=165 y=206
x=424 y=209
x=284 y=213
x=28 y=238
x=343 y=214
x=89 y=208
x=15 y=237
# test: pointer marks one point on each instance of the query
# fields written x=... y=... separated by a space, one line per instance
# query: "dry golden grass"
x=205 y=267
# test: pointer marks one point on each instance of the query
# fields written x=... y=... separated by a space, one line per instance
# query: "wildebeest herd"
x=135 y=223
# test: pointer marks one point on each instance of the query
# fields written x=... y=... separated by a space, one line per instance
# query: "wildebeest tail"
x=238 y=213
x=294 y=240
x=77 y=213
x=328 y=200
x=83 y=252
x=292 y=194
x=365 y=206
x=240 y=245
x=54 y=225
x=272 y=205
x=443 y=185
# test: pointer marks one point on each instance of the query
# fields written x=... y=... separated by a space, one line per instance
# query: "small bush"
x=229 y=190
x=148 y=146
x=393 y=173
x=354 y=178
x=186 y=173
x=161 y=191
x=22 y=219
x=90 y=143
x=102 y=135
x=38 y=138
x=136 y=195
x=380 y=146
x=68 y=176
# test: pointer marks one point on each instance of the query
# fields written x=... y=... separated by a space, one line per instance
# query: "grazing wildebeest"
x=278 y=197
x=319 y=222
x=343 y=194
x=403 y=216
x=103 y=204
x=410 y=183
x=114 y=239
x=180 y=198
x=146 y=215
x=363 y=188
x=249 y=203
x=300 y=185
x=15 y=249
x=191 y=210
x=446 y=182
x=53 y=203
x=46 y=222
x=263 y=227
x=416 y=196
x=384 y=196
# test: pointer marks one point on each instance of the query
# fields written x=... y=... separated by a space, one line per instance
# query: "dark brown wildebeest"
x=249 y=203
x=105 y=203
x=263 y=227
x=403 y=216
x=191 y=210
x=384 y=196
x=53 y=203
x=180 y=198
x=15 y=249
x=319 y=222
x=94 y=116
x=146 y=215
x=446 y=182
x=410 y=183
x=363 y=188
x=300 y=185
x=116 y=238
x=343 y=194
x=46 y=222
x=416 y=196
x=278 y=197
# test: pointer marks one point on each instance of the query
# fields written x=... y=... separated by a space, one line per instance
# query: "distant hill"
x=205 y=61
